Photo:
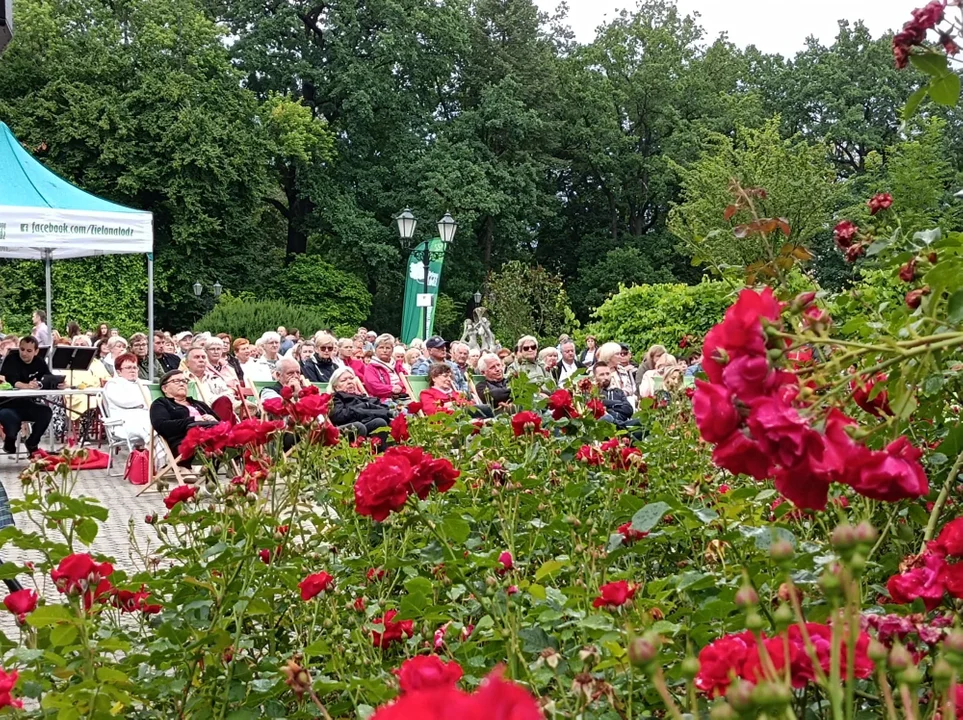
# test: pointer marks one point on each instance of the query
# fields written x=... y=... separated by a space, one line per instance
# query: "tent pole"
x=150 y=315
x=50 y=324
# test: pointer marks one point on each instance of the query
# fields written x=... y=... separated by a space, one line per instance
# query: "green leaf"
x=86 y=530
x=63 y=634
x=418 y=586
x=945 y=90
x=954 y=308
x=649 y=516
x=596 y=622
x=913 y=103
x=110 y=675
x=548 y=568
x=456 y=528
x=534 y=639
x=934 y=64
x=706 y=515
x=49 y=615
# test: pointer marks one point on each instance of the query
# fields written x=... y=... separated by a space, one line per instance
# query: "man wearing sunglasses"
x=321 y=365
x=526 y=361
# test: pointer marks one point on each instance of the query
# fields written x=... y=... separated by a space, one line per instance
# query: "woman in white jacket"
x=124 y=397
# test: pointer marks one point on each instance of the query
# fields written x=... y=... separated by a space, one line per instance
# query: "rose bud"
x=907 y=273
x=802 y=301
x=915 y=297
x=932 y=257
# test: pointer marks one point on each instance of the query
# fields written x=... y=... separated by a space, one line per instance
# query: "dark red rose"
x=742 y=456
x=596 y=407
x=275 y=406
x=499 y=699
x=844 y=234
x=806 y=489
x=310 y=407
x=907 y=272
x=855 y=252
x=506 y=561
x=308 y=390
x=589 y=455
x=560 y=403
x=720 y=661
x=930 y=15
x=211 y=440
x=399 y=429
x=252 y=432
x=526 y=422
x=629 y=535
x=878 y=404
x=393 y=631
x=950 y=540
x=715 y=415
x=383 y=486
x=314 y=584
x=915 y=297
x=359 y=604
x=821 y=637
x=434 y=472
x=21 y=602
x=287 y=392
x=427 y=672
x=614 y=594
x=182 y=493
x=879 y=202
x=129 y=601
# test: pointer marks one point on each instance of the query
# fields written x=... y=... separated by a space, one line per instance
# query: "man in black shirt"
x=24 y=371
x=493 y=390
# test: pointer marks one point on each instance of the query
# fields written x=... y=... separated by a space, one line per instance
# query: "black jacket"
x=318 y=370
x=348 y=408
x=15 y=370
x=617 y=404
x=493 y=394
x=172 y=420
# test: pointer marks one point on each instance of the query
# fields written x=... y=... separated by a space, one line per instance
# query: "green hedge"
x=646 y=315
x=250 y=319
x=338 y=296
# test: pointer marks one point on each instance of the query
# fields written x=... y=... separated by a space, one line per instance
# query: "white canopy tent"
x=44 y=217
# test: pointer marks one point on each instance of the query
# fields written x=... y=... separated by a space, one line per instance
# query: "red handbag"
x=137 y=471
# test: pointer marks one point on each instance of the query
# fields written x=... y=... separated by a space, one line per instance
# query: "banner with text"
x=413 y=319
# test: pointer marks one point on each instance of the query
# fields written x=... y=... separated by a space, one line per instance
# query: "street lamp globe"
x=446 y=228
x=198 y=288
x=217 y=289
x=477 y=297
x=406 y=224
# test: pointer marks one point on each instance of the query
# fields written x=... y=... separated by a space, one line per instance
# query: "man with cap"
x=184 y=341
x=435 y=346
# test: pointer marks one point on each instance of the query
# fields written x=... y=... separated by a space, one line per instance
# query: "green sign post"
x=413 y=319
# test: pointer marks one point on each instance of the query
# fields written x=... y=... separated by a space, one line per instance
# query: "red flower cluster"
x=496 y=699
x=427 y=672
x=314 y=584
x=749 y=410
x=308 y=406
x=878 y=202
x=615 y=594
x=21 y=603
x=629 y=535
x=596 y=407
x=620 y=455
x=847 y=239
x=590 y=455
x=560 y=403
x=78 y=574
x=399 y=429
x=384 y=485
x=393 y=631
x=7 y=682
x=929 y=576
x=129 y=601
x=737 y=656
x=506 y=562
x=526 y=422
x=182 y=493
x=211 y=440
x=914 y=31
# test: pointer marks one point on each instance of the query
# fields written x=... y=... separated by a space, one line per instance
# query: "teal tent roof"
x=42 y=214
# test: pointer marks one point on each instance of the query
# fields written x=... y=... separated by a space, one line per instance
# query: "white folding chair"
x=114 y=440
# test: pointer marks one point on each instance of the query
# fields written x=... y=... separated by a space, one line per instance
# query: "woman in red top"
x=441 y=397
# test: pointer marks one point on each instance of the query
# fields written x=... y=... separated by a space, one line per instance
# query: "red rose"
x=399 y=429
x=950 y=540
x=526 y=422
x=878 y=202
x=499 y=699
x=560 y=403
x=844 y=233
x=715 y=415
x=78 y=573
x=129 y=601
x=393 y=631
x=7 y=682
x=437 y=704
x=722 y=660
x=629 y=535
x=413 y=408
x=374 y=574
x=741 y=456
x=821 y=637
x=614 y=594
x=434 y=472
x=359 y=604
x=924 y=582
x=275 y=406
x=182 y=493
x=907 y=271
x=590 y=455
x=383 y=486
x=596 y=407
x=627 y=458
x=783 y=434
x=325 y=434
x=806 y=489
x=287 y=392
x=314 y=584
x=427 y=672
x=929 y=16
x=21 y=602
x=952 y=579
x=914 y=298
x=506 y=561
x=861 y=392
x=749 y=378
x=753 y=669
x=308 y=390
x=310 y=407
x=891 y=474
x=212 y=440
x=265 y=556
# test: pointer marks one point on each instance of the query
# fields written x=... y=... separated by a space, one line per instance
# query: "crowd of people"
x=372 y=377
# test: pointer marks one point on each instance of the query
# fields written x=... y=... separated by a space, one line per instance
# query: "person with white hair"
x=287 y=373
x=459 y=367
x=352 y=409
x=473 y=355
x=271 y=343
x=116 y=346
x=322 y=364
x=380 y=377
x=548 y=359
x=610 y=355
x=217 y=363
x=526 y=360
x=492 y=389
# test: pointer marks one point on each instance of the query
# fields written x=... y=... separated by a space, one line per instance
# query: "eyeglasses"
x=325 y=347
x=529 y=347
x=128 y=367
x=178 y=381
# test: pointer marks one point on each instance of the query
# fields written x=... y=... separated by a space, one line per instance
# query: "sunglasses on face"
x=325 y=347
x=529 y=347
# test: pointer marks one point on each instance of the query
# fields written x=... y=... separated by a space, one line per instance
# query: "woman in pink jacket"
x=380 y=377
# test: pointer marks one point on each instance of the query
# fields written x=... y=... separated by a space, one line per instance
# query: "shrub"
x=528 y=300
x=338 y=296
x=647 y=315
x=250 y=319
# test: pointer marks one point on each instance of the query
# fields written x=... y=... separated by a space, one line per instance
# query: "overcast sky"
x=772 y=25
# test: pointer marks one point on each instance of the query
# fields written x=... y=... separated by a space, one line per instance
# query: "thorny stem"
x=318 y=704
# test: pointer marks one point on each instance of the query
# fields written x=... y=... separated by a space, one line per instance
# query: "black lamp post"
x=446 y=231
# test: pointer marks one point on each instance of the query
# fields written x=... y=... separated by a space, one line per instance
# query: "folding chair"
x=152 y=391
x=114 y=441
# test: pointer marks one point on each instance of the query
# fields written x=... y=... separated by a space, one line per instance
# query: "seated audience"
x=441 y=396
x=251 y=370
x=569 y=364
x=320 y=366
x=346 y=356
x=93 y=377
x=460 y=372
x=125 y=400
x=24 y=370
x=211 y=387
x=435 y=352
x=184 y=342
x=548 y=359
x=411 y=357
x=611 y=355
x=587 y=358
x=165 y=359
x=398 y=358
x=175 y=413
x=352 y=409
x=271 y=344
x=473 y=355
x=218 y=365
x=101 y=334
x=618 y=409
x=380 y=377
x=493 y=390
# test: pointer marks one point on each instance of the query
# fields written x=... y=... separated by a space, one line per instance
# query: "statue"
x=478 y=334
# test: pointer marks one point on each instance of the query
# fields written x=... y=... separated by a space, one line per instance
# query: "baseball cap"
x=181 y=335
x=435 y=342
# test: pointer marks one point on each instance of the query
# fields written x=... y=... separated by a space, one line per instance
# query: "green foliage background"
x=252 y=318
